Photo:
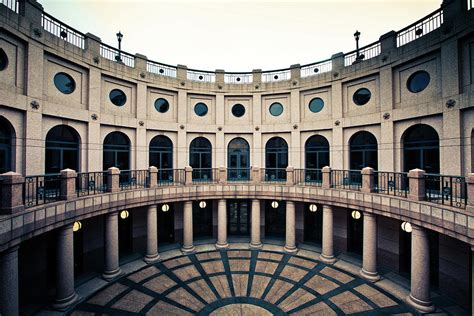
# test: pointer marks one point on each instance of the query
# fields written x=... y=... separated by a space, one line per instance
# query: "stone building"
x=364 y=159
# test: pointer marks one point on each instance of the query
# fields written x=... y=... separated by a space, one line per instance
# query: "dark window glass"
x=3 y=60
x=421 y=148
x=117 y=97
x=200 y=109
x=361 y=96
x=276 y=159
x=161 y=156
x=62 y=149
x=316 y=105
x=116 y=151
x=200 y=158
x=6 y=136
x=317 y=155
x=238 y=110
x=363 y=151
x=64 y=83
x=238 y=159
x=276 y=109
x=418 y=81
x=162 y=105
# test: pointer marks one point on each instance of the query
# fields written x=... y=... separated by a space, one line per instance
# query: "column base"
x=111 y=275
x=256 y=246
x=151 y=259
x=327 y=259
x=64 y=303
x=290 y=249
x=188 y=250
x=369 y=276
x=419 y=305
x=222 y=246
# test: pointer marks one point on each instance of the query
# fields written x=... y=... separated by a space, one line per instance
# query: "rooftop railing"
x=316 y=68
x=161 y=69
x=276 y=75
x=62 y=30
x=116 y=55
x=238 y=78
x=202 y=76
x=364 y=53
x=420 y=28
x=11 y=4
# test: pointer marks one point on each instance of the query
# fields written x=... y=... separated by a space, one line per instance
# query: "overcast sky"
x=238 y=35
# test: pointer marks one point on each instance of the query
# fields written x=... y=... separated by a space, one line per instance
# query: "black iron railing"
x=133 y=179
x=446 y=190
x=205 y=175
x=116 y=55
x=420 y=28
x=41 y=189
x=391 y=183
x=62 y=30
x=275 y=175
x=238 y=174
x=308 y=177
x=346 y=179
x=90 y=183
x=170 y=177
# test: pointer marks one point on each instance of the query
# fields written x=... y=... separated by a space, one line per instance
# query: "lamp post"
x=118 y=58
x=357 y=36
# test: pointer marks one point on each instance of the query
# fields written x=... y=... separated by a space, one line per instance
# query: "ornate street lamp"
x=118 y=58
x=359 y=56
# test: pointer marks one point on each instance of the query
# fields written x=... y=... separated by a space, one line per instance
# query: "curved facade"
x=237 y=142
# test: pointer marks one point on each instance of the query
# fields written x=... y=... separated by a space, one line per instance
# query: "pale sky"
x=238 y=35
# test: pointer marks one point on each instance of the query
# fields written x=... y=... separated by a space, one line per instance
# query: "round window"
x=200 y=109
x=117 y=97
x=418 y=81
x=238 y=110
x=3 y=60
x=162 y=105
x=64 y=83
x=361 y=96
x=316 y=105
x=276 y=109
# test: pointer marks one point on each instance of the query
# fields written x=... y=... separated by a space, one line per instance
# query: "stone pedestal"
x=419 y=296
x=290 y=244
x=113 y=179
x=255 y=242
x=326 y=174
x=327 y=253
x=111 y=247
x=368 y=183
x=369 y=261
x=416 y=180
x=151 y=235
x=68 y=184
x=9 y=282
x=153 y=177
x=188 y=246
x=222 y=225
x=65 y=293
x=11 y=199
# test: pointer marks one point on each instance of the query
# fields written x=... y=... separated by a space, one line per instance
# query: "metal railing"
x=391 y=183
x=116 y=55
x=446 y=190
x=202 y=76
x=161 y=69
x=364 y=53
x=133 y=179
x=238 y=174
x=316 y=68
x=170 y=177
x=308 y=177
x=346 y=179
x=276 y=75
x=238 y=78
x=90 y=183
x=41 y=189
x=62 y=30
x=273 y=175
x=205 y=175
x=420 y=28
x=11 y=4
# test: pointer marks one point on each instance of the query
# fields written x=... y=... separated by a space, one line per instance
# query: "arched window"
x=116 y=151
x=421 y=149
x=200 y=159
x=276 y=159
x=7 y=137
x=62 y=149
x=238 y=157
x=161 y=156
x=363 y=151
x=316 y=157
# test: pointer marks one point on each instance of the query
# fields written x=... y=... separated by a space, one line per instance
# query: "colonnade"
x=66 y=295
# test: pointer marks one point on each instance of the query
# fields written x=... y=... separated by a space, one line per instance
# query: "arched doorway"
x=363 y=151
x=116 y=151
x=161 y=156
x=276 y=159
x=7 y=137
x=200 y=159
x=238 y=214
x=316 y=157
x=421 y=149
x=62 y=149
x=238 y=160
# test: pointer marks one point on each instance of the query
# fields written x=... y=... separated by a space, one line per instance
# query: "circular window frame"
x=238 y=107
x=316 y=99
x=4 y=55
x=124 y=96
x=160 y=110
x=364 y=102
x=69 y=77
x=273 y=105
x=196 y=111
x=412 y=77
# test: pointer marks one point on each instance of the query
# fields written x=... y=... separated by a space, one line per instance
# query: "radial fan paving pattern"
x=241 y=282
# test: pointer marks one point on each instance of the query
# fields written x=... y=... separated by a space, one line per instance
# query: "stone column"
x=188 y=246
x=290 y=244
x=419 y=296
x=327 y=253
x=369 y=261
x=65 y=293
x=9 y=282
x=151 y=235
x=112 y=268
x=222 y=225
x=255 y=242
